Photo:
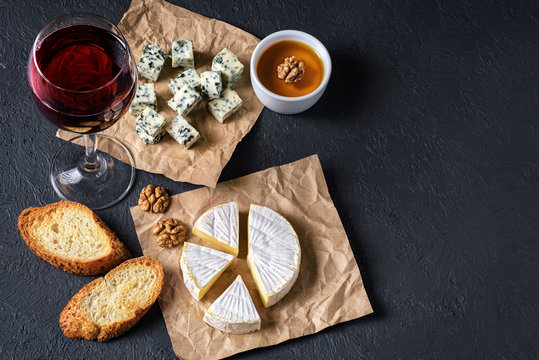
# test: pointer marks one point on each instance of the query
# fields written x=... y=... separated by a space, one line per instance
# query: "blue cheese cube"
x=144 y=97
x=184 y=100
x=182 y=54
x=188 y=77
x=151 y=62
x=222 y=108
x=229 y=66
x=150 y=126
x=211 y=84
x=183 y=132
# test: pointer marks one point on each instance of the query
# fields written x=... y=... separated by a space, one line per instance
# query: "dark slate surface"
x=428 y=137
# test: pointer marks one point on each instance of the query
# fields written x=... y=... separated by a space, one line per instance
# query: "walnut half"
x=169 y=232
x=153 y=199
x=291 y=70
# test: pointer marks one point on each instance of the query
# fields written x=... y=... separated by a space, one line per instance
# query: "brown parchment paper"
x=160 y=23
x=329 y=288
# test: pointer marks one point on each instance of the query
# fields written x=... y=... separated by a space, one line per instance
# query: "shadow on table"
x=350 y=86
x=355 y=242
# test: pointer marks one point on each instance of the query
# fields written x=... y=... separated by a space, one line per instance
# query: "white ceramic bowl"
x=286 y=104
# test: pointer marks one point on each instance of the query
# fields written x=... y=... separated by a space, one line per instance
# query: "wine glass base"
x=97 y=189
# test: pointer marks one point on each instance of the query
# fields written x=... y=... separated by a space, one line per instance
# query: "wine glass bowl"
x=82 y=77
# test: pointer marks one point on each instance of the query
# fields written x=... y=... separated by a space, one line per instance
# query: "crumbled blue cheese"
x=229 y=66
x=151 y=62
x=183 y=132
x=222 y=108
x=182 y=54
x=184 y=100
x=211 y=84
x=188 y=77
x=150 y=126
x=144 y=97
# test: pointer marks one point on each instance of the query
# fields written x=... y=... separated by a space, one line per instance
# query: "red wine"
x=82 y=78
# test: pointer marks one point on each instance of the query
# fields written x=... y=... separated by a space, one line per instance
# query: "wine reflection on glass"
x=82 y=76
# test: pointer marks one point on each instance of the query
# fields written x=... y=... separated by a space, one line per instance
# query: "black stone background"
x=428 y=138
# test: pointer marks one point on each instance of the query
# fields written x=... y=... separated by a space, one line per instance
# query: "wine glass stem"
x=91 y=164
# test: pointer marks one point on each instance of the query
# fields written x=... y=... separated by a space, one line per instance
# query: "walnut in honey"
x=291 y=70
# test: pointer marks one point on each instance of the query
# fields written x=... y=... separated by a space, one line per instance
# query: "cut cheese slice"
x=220 y=227
x=201 y=267
x=274 y=253
x=234 y=311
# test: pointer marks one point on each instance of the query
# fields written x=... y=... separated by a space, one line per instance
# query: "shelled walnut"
x=291 y=70
x=169 y=232
x=153 y=199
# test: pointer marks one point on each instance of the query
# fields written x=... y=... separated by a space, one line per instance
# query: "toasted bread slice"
x=71 y=237
x=108 y=306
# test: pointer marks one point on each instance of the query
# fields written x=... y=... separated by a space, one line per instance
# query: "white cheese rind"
x=150 y=126
x=234 y=311
x=189 y=77
x=182 y=54
x=184 y=100
x=221 y=223
x=229 y=66
x=211 y=84
x=274 y=253
x=144 y=97
x=228 y=104
x=151 y=62
x=183 y=132
x=201 y=266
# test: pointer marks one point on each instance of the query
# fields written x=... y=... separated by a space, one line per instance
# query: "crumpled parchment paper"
x=160 y=23
x=329 y=289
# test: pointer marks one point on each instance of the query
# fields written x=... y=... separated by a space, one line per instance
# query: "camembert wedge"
x=201 y=267
x=220 y=227
x=274 y=253
x=234 y=311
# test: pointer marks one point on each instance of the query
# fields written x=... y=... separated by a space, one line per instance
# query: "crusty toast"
x=109 y=306
x=71 y=237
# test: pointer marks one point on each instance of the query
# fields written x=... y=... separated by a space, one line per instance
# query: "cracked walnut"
x=291 y=70
x=153 y=199
x=169 y=232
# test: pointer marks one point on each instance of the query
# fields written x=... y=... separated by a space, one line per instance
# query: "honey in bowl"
x=275 y=54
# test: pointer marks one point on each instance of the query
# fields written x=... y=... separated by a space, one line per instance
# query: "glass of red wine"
x=82 y=76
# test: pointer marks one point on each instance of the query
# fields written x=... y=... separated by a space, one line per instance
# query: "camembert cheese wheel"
x=234 y=311
x=201 y=267
x=274 y=253
x=220 y=227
